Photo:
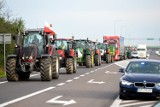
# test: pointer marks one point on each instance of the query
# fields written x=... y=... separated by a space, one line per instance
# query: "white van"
x=142 y=51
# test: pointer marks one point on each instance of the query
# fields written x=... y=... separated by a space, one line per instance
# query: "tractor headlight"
x=23 y=57
x=30 y=58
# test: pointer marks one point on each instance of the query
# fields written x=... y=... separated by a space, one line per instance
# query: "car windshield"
x=61 y=44
x=143 y=67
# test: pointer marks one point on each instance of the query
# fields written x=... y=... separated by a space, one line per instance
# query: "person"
x=62 y=45
x=35 y=40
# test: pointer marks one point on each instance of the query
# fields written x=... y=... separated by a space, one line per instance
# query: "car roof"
x=145 y=60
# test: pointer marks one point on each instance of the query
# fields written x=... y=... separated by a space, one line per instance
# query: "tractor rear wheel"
x=88 y=61
x=69 y=65
x=96 y=60
x=46 y=69
x=74 y=65
x=11 y=70
x=56 y=66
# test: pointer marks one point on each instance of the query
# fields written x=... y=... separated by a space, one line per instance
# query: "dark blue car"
x=140 y=78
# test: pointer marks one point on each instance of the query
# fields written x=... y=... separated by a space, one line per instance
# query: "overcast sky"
x=93 y=18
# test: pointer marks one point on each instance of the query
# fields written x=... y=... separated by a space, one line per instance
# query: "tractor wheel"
x=97 y=60
x=107 y=58
x=56 y=66
x=69 y=65
x=24 y=75
x=92 y=61
x=100 y=60
x=11 y=70
x=74 y=65
x=88 y=61
x=112 y=58
x=46 y=69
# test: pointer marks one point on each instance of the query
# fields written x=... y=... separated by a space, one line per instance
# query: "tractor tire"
x=56 y=70
x=24 y=75
x=74 y=65
x=100 y=60
x=46 y=69
x=69 y=66
x=92 y=61
x=108 y=58
x=88 y=61
x=11 y=70
x=97 y=60
x=112 y=59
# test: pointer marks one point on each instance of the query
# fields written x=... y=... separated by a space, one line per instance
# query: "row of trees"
x=8 y=25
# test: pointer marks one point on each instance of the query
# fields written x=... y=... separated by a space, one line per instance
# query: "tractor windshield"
x=61 y=44
x=80 y=44
x=34 y=38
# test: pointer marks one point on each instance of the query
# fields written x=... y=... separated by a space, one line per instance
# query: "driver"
x=35 y=40
x=63 y=46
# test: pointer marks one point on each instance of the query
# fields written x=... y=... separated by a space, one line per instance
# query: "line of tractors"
x=40 y=50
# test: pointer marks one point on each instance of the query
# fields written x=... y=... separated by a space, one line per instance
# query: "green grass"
x=2 y=74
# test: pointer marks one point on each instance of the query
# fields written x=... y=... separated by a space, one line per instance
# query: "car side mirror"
x=122 y=70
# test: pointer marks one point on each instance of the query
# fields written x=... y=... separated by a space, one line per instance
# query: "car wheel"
x=121 y=96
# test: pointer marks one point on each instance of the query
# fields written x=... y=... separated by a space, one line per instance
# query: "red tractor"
x=67 y=54
x=36 y=52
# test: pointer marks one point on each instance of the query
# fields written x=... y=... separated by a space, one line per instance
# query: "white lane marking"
x=146 y=102
x=69 y=80
x=146 y=106
x=95 y=82
x=3 y=82
x=55 y=101
x=120 y=65
x=107 y=72
x=92 y=71
x=24 y=97
x=87 y=73
x=34 y=75
x=82 y=75
x=60 y=84
x=129 y=101
x=116 y=102
x=30 y=76
x=76 y=78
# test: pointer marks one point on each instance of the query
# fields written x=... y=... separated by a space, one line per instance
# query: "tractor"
x=97 y=54
x=85 y=52
x=34 y=51
x=67 y=54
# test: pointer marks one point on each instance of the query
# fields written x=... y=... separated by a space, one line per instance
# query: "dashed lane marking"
x=107 y=72
x=82 y=75
x=69 y=80
x=76 y=78
x=27 y=96
x=3 y=82
x=60 y=84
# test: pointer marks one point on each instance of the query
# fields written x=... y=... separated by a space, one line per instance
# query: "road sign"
x=5 y=38
x=55 y=101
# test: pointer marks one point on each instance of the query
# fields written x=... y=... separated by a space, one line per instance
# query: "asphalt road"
x=89 y=87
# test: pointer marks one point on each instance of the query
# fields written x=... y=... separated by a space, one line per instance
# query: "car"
x=134 y=54
x=141 y=77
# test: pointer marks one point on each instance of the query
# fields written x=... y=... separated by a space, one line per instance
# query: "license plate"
x=143 y=90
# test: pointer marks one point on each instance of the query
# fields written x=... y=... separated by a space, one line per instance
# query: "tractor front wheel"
x=46 y=69
x=11 y=70
x=69 y=65
x=56 y=66
x=88 y=61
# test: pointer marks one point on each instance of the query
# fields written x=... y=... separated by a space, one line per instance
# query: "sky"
x=135 y=20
